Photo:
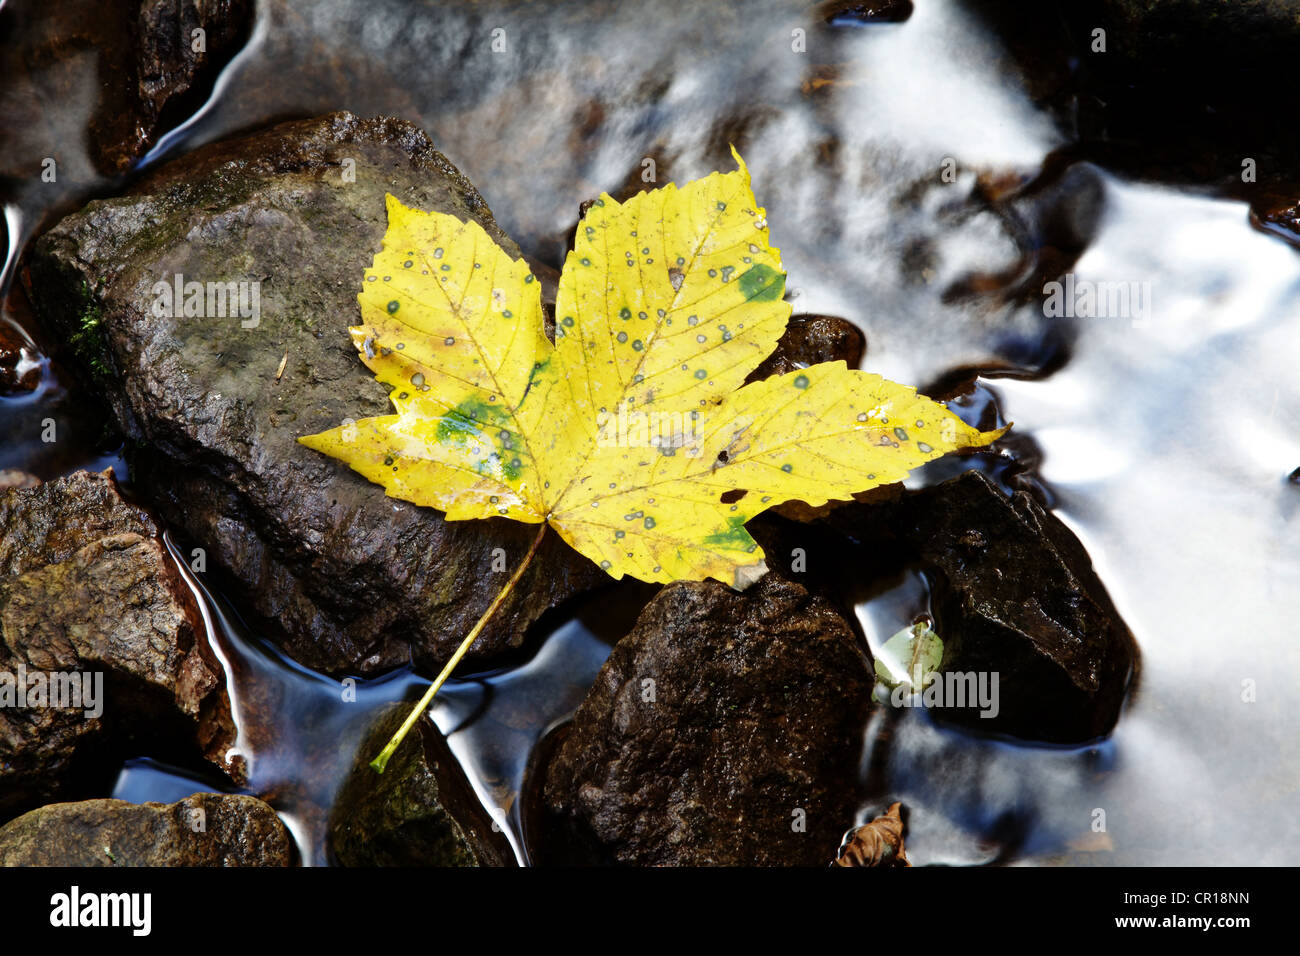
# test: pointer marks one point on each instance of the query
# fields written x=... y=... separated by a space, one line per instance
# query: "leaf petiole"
x=381 y=761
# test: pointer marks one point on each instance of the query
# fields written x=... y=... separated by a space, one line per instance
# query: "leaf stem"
x=380 y=762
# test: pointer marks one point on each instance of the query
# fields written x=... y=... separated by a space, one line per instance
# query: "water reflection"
x=492 y=724
x=143 y=780
x=298 y=732
x=1168 y=443
x=914 y=187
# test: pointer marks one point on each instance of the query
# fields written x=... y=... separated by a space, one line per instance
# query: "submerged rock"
x=418 y=812
x=346 y=579
x=1014 y=593
x=725 y=729
x=115 y=74
x=207 y=829
x=17 y=374
x=89 y=600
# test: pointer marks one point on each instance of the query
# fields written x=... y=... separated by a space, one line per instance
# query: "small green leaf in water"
x=910 y=657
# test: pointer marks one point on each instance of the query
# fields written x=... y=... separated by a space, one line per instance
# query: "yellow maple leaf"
x=633 y=435
x=625 y=434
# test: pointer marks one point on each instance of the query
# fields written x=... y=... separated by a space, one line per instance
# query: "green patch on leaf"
x=762 y=283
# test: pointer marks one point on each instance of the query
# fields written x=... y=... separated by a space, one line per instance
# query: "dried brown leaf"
x=878 y=843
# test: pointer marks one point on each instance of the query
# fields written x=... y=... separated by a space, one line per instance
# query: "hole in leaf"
x=731 y=497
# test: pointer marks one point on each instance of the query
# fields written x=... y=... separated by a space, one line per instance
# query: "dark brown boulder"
x=86 y=589
x=346 y=578
x=725 y=729
x=1173 y=31
x=114 y=74
x=1014 y=593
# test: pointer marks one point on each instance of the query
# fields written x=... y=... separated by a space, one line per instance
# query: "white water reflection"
x=1168 y=444
x=1192 y=526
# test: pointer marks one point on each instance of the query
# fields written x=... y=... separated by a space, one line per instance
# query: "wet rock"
x=87 y=591
x=180 y=46
x=1188 y=90
x=811 y=340
x=418 y=812
x=1157 y=28
x=795 y=524
x=853 y=12
x=725 y=729
x=345 y=578
x=14 y=478
x=1014 y=592
x=1282 y=221
x=115 y=74
x=207 y=829
x=17 y=373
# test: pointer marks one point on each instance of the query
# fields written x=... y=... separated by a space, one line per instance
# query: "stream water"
x=1163 y=436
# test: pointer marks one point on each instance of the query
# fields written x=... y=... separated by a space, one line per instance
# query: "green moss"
x=87 y=340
